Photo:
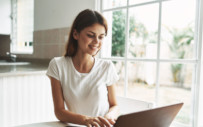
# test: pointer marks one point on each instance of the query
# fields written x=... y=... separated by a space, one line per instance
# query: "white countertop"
x=22 y=73
x=31 y=68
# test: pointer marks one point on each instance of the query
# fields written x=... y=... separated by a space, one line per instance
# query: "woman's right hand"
x=97 y=122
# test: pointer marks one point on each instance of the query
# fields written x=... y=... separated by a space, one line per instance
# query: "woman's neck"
x=83 y=63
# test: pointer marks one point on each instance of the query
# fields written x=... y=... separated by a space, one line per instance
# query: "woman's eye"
x=90 y=35
x=101 y=38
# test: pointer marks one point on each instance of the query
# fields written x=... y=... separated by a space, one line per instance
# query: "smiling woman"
x=83 y=82
x=82 y=21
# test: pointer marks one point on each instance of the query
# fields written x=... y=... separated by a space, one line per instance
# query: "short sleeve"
x=52 y=70
x=112 y=74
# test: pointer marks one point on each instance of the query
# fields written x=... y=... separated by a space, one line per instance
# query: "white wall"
x=5 y=11
x=50 y=14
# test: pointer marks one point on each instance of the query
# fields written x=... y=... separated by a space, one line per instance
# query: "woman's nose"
x=96 y=40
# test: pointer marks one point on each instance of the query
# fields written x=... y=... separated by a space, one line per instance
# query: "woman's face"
x=90 y=39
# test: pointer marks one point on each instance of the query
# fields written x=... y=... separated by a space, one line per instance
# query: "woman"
x=83 y=82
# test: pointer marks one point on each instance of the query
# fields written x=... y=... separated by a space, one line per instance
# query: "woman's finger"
x=105 y=121
x=89 y=125
x=99 y=122
x=111 y=121
x=95 y=124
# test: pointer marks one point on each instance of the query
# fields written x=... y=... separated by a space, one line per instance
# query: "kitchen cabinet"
x=5 y=20
x=25 y=98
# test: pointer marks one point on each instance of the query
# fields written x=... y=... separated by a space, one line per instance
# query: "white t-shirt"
x=84 y=93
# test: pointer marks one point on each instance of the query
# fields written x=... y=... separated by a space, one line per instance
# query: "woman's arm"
x=59 y=108
x=67 y=116
x=114 y=111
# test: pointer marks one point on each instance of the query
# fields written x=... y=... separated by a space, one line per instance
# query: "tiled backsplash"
x=48 y=43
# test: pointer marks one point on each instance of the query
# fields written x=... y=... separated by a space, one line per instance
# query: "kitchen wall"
x=51 y=14
x=52 y=22
x=50 y=43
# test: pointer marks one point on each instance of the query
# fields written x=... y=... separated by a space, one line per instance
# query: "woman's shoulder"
x=103 y=62
x=60 y=60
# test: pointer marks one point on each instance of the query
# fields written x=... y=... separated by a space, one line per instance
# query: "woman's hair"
x=84 y=19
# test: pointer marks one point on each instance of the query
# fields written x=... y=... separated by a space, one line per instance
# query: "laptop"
x=156 y=117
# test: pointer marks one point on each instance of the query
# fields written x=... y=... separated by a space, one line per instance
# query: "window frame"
x=197 y=61
x=14 y=29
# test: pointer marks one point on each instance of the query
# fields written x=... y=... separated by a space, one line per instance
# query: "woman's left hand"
x=110 y=119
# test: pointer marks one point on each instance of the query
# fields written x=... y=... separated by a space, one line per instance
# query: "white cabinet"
x=5 y=21
x=25 y=99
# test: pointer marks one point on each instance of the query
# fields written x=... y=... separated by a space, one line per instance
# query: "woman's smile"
x=94 y=47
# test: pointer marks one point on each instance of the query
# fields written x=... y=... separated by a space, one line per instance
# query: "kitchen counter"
x=25 y=94
x=31 y=67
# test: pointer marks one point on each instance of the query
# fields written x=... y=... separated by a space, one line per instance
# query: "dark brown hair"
x=84 y=19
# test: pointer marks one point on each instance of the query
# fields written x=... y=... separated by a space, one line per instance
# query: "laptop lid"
x=156 y=117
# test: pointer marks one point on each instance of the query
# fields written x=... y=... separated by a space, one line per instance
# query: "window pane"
x=114 y=44
x=121 y=82
x=23 y=26
x=113 y=3
x=143 y=29
x=141 y=80
x=139 y=1
x=175 y=86
x=177 y=37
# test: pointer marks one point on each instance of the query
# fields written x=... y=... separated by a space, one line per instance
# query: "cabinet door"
x=25 y=99
x=5 y=22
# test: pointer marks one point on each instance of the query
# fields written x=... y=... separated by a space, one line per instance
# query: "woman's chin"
x=93 y=53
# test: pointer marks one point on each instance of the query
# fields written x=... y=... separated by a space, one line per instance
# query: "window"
x=22 y=26
x=154 y=47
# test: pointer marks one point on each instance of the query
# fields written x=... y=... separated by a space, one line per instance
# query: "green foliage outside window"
x=181 y=41
x=180 y=44
x=118 y=34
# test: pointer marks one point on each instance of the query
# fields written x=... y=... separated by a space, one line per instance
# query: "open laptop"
x=156 y=117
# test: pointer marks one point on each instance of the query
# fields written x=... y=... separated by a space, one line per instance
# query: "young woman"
x=83 y=82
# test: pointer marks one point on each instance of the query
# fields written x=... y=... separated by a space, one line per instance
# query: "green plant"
x=118 y=33
x=179 y=46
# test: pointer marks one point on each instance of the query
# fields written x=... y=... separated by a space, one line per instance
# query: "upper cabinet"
x=5 y=20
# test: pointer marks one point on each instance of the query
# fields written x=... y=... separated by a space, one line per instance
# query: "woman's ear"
x=75 y=34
